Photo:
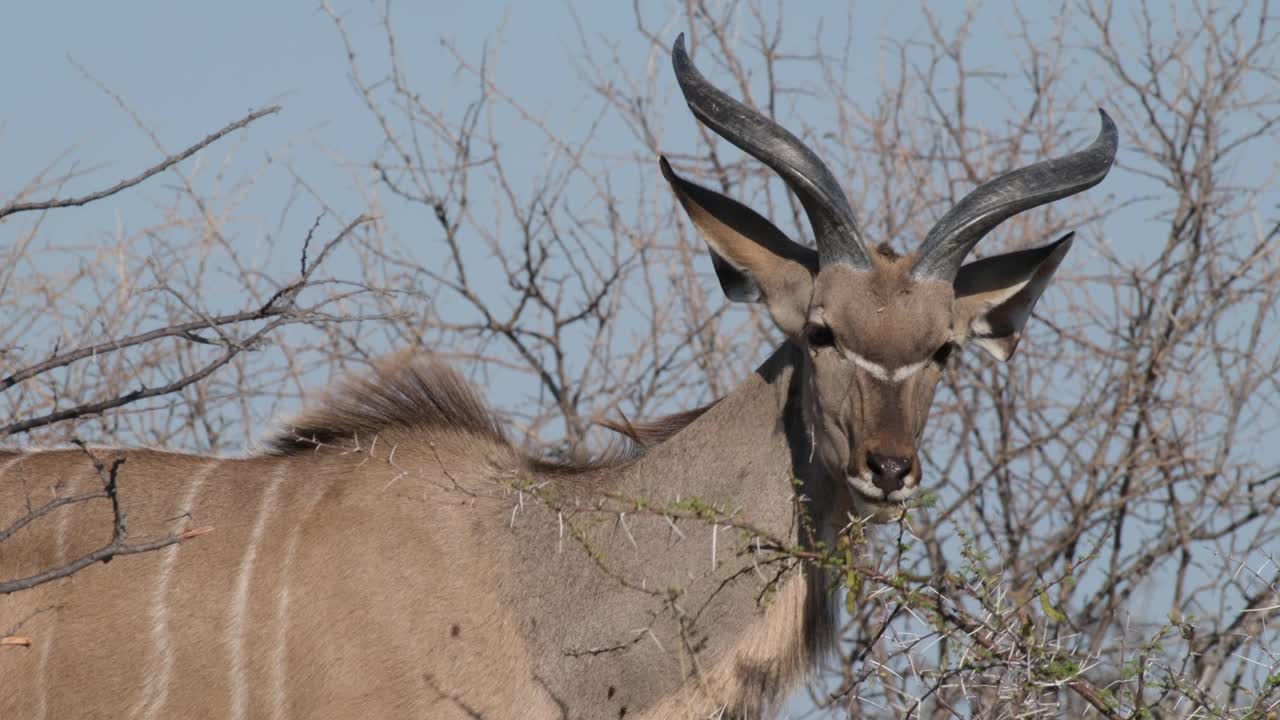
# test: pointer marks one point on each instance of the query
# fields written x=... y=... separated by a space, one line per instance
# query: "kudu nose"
x=888 y=473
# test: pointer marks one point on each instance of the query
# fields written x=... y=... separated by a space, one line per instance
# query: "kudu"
x=394 y=555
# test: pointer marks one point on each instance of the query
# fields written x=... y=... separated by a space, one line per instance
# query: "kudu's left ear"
x=995 y=295
x=753 y=259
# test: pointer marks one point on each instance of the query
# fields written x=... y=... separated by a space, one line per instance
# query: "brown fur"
x=886 y=251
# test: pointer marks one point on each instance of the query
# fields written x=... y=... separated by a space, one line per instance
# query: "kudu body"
x=393 y=555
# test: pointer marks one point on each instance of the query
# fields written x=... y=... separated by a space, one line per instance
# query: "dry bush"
x=1105 y=517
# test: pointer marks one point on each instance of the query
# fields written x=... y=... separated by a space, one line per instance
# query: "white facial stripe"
x=882 y=373
x=877 y=371
x=907 y=371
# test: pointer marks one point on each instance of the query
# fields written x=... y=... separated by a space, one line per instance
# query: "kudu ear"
x=753 y=259
x=995 y=295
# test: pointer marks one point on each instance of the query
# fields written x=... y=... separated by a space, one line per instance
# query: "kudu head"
x=875 y=329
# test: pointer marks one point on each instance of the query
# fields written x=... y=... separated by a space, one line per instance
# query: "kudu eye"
x=942 y=354
x=820 y=336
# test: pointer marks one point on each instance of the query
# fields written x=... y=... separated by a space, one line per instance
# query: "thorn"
x=196 y=532
x=672 y=523
x=715 y=536
x=622 y=520
x=15 y=640
x=655 y=639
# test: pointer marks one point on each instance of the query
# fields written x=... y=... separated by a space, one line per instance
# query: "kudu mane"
x=646 y=433
x=406 y=392
x=414 y=392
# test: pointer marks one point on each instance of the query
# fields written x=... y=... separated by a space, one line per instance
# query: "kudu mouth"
x=871 y=505
x=883 y=485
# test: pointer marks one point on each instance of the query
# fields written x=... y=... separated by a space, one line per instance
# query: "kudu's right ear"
x=753 y=259
x=995 y=295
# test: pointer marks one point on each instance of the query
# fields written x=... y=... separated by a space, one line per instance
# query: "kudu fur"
x=394 y=555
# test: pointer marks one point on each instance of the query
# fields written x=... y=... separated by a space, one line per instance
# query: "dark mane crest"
x=406 y=391
x=637 y=437
x=886 y=251
x=647 y=433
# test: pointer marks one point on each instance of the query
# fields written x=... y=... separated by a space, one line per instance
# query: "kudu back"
x=393 y=554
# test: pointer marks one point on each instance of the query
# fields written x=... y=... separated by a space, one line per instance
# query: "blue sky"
x=189 y=68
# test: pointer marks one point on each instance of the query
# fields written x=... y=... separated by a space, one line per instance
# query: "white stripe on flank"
x=46 y=646
x=160 y=665
x=240 y=600
x=280 y=642
x=13 y=461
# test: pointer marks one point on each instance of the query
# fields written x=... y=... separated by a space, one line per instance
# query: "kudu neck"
x=662 y=539
x=748 y=454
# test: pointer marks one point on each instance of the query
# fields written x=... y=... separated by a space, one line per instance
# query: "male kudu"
x=394 y=555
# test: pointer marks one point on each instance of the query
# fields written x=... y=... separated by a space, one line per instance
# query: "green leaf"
x=1054 y=613
x=852 y=581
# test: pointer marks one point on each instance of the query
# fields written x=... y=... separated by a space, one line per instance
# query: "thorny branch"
x=14 y=207
x=281 y=309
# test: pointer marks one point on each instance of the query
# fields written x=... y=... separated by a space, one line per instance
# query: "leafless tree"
x=1103 y=531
